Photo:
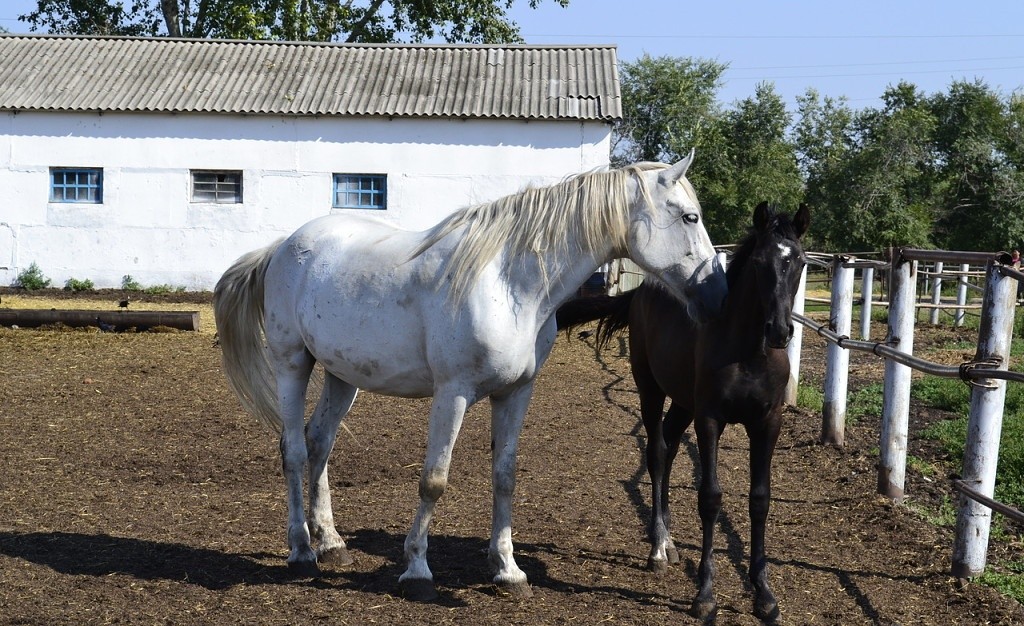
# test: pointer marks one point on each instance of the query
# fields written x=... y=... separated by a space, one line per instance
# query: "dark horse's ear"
x=801 y=220
x=763 y=216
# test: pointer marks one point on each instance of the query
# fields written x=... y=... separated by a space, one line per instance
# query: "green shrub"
x=157 y=290
x=73 y=284
x=32 y=278
x=130 y=284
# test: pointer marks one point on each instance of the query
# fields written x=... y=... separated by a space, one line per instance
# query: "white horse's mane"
x=589 y=209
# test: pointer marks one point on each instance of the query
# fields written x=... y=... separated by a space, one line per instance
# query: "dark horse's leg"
x=677 y=419
x=763 y=436
x=709 y=504
x=652 y=403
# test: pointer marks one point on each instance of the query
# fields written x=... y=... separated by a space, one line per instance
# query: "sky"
x=839 y=48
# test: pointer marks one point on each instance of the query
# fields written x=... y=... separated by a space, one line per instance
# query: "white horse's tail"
x=238 y=310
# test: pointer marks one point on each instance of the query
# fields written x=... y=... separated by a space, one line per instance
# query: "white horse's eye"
x=692 y=218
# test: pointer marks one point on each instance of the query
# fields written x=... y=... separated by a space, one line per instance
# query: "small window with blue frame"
x=82 y=185
x=361 y=191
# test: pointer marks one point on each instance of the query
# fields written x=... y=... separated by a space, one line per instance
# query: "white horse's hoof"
x=657 y=566
x=336 y=556
x=418 y=589
x=518 y=590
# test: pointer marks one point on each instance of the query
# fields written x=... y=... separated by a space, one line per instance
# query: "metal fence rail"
x=970 y=372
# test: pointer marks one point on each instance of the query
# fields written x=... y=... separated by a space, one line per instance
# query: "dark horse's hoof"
x=304 y=569
x=418 y=590
x=766 y=608
x=336 y=556
x=704 y=609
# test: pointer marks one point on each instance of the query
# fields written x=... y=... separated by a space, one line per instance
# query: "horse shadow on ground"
x=78 y=554
x=459 y=564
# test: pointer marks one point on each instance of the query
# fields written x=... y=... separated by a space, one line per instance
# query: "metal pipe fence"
x=987 y=372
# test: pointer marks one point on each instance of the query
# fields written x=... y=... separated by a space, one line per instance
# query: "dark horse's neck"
x=740 y=329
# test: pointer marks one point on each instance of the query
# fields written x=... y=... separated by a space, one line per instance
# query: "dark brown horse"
x=731 y=370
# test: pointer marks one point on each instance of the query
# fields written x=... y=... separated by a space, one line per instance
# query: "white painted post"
x=796 y=343
x=961 y=294
x=867 y=286
x=837 y=362
x=981 y=450
x=936 y=292
x=892 y=464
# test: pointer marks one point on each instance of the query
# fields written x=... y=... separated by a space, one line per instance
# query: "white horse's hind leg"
x=446 y=413
x=507 y=415
x=321 y=433
x=292 y=377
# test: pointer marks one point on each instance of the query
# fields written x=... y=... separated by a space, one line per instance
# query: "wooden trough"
x=113 y=321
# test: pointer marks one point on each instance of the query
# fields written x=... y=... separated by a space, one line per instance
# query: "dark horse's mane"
x=779 y=223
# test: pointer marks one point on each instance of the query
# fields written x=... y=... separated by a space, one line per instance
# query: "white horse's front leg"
x=321 y=433
x=446 y=413
x=507 y=415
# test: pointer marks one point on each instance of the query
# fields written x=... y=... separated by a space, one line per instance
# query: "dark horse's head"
x=773 y=254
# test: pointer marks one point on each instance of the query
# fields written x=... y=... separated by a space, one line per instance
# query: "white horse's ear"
x=673 y=174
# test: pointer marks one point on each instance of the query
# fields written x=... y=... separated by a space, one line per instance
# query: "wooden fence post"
x=837 y=363
x=936 y=292
x=795 y=344
x=892 y=465
x=981 y=450
x=961 y=294
x=866 y=288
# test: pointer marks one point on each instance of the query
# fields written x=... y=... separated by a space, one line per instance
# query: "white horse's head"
x=667 y=239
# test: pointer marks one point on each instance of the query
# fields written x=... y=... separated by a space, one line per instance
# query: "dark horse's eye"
x=692 y=218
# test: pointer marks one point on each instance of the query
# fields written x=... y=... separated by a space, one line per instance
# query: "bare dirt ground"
x=134 y=490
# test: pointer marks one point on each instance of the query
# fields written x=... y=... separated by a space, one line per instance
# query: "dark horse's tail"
x=611 y=313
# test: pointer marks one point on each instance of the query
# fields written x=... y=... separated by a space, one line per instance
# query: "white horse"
x=459 y=312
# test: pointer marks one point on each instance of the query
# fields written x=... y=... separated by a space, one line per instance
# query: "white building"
x=165 y=159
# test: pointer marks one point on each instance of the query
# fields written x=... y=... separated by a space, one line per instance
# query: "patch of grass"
x=1010 y=583
x=945 y=394
x=943 y=517
x=864 y=402
x=954 y=396
x=809 y=398
x=921 y=466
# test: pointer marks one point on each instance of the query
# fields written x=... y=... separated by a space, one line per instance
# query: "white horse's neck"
x=545 y=282
x=542 y=284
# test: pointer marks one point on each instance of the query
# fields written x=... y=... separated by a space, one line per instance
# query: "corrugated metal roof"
x=65 y=73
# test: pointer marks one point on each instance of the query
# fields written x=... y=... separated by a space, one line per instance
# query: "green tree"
x=875 y=185
x=824 y=139
x=367 y=21
x=979 y=142
x=669 y=107
x=753 y=162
